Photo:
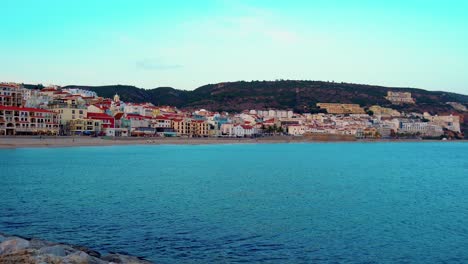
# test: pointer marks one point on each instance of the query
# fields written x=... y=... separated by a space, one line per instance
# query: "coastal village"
x=77 y=112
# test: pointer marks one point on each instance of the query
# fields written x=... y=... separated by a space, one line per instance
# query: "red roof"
x=9 y=85
x=161 y=117
x=99 y=115
x=246 y=127
x=135 y=116
x=48 y=89
x=118 y=116
x=25 y=109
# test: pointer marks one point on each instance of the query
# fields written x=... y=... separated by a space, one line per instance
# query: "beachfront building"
x=297 y=130
x=161 y=122
x=190 y=127
x=83 y=126
x=182 y=126
x=226 y=129
x=138 y=122
x=11 y=94
x=367 y=133
x=27 y=121
x=66 y=114
x=201 y=128
x=243 y=131
x=421 y=128
x=107 y=121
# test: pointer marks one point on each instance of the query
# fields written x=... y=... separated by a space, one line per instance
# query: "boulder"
x=13 y=244
x=57 y=250
x=88 y=251
x=38 y=243
x=80 y=257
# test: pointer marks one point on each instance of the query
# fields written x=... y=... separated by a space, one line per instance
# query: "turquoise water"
x=278 y=203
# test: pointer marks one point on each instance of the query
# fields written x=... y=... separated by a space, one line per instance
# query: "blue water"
x=278 y=203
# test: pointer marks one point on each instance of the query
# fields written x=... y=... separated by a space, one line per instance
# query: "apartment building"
x=83 y=126
x=11 y=94
x=27 y=121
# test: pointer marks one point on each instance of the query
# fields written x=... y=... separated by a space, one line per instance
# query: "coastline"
x=54 y=142
x=18 y=249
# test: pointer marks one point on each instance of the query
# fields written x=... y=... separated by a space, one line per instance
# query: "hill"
x=298 y=95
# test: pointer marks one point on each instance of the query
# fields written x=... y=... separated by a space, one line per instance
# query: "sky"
x=186 y=44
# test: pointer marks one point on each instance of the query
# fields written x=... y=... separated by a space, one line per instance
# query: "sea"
x=251 y=203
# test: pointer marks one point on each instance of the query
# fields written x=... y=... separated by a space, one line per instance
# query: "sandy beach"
x=34 y=142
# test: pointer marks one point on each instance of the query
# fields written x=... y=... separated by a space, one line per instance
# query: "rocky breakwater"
x=15 y=249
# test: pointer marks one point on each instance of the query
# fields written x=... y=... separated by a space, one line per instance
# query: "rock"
x=57 y=250
x=29 y=256
x=124 y=259
x=88 y=251
x=38 y=244
x=35 y=251
x=13 y=244
x=81 y=257
x=22 y=256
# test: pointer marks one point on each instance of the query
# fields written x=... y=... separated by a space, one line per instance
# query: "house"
x=243 y=131
x=226 y=129
x=161 y=122
x=138 y=121
x=107 y=120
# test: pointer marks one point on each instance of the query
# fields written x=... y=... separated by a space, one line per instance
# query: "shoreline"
x=58 y=142
x=19 y=249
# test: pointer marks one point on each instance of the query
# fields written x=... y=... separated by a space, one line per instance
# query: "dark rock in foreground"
x=14 y=249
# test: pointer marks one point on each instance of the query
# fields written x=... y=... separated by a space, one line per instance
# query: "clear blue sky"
x=185 y=44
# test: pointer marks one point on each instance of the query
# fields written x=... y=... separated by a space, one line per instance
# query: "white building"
x=81 y=92
x=424 y=128
x=243 y=131
x=297 y=130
